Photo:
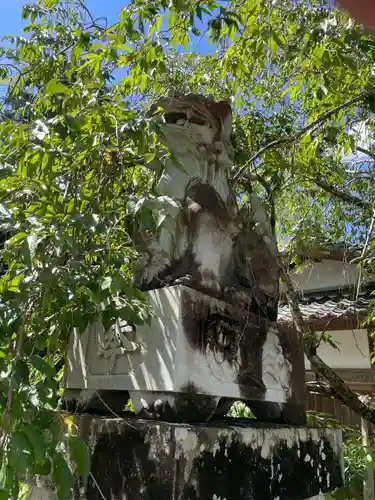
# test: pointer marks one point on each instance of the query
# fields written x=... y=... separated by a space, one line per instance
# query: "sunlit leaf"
x=62 y=477
x=36 y=439
x=56 y=87
x=81 y=456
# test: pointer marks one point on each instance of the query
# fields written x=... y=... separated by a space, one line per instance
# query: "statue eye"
x=197 y=120
x=173 y=118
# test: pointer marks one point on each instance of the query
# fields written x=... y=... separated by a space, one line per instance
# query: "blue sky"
x=10 y=13
x=11 y=22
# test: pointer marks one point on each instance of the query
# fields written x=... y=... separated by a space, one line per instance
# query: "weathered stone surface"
x=212 y=279
x=208 y=241
x=139 y=460
x=197 y=352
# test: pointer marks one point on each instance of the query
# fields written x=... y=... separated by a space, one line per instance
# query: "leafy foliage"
x=355 y=457
x=355 y=468
x=240 y=410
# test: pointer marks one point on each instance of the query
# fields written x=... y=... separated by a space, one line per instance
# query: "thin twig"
x=342 y=195
x=366 y=152
x=111 y=411
x=364 y=252
x=97 y=486
x=18 y=350
x=324 y=331
x=304 y=130
x=322 y=388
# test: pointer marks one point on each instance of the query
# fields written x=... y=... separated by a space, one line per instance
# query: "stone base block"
x=143 y=460
x=197 y=351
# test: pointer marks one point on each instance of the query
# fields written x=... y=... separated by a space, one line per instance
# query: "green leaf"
x=371 y=102
x=273 y=45
x=36 y=438
x=238 y=102
x=16 y=238
x=55 y=86
x=81 y=455
x=279 y=39
x=42 y=366
x=198 y=12
x=50 y=3
x=318 y=54
x=62 y=477
x=149 y=157
x=21 y=373
x=43 y=468
x=20 y=452
x=106 y=283
x=4 y=495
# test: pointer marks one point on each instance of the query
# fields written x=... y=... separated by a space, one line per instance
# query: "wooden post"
x=368 y=481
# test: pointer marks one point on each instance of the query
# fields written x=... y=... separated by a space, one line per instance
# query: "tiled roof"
x=328 y=304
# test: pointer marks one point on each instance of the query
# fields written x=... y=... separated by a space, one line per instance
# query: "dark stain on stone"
x=122 y=468
x=295 y=408
x=101 y=402
x=252 y=477
x=206 y=199
x=222 y=331
x=140 y=461
x=238 y=337
x=192 y=405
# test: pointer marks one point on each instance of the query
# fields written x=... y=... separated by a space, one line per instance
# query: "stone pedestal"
x=142 y=460
x=197 y=351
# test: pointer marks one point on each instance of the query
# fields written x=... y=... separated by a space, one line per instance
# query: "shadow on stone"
x=143 y=460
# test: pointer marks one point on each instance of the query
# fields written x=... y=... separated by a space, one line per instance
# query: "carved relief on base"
x=117 y=342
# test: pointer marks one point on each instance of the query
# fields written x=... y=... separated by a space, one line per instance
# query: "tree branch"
x=254 y=177
x=304 y=130
x=364 y=253
x=339 y=388
x=366 y=152
x=7 y=417
x=342 y=195
x=321 y=388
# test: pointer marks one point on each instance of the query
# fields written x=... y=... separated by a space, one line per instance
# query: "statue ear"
x=227 y=124
x=223 y=112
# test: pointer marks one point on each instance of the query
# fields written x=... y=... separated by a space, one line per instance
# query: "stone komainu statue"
x=207 y=242
x=214 y=267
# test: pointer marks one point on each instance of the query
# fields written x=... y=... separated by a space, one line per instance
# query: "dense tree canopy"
x=76 y=150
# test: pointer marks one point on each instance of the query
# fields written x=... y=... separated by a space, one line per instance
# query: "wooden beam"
x=351 y=322
x=357 y=376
